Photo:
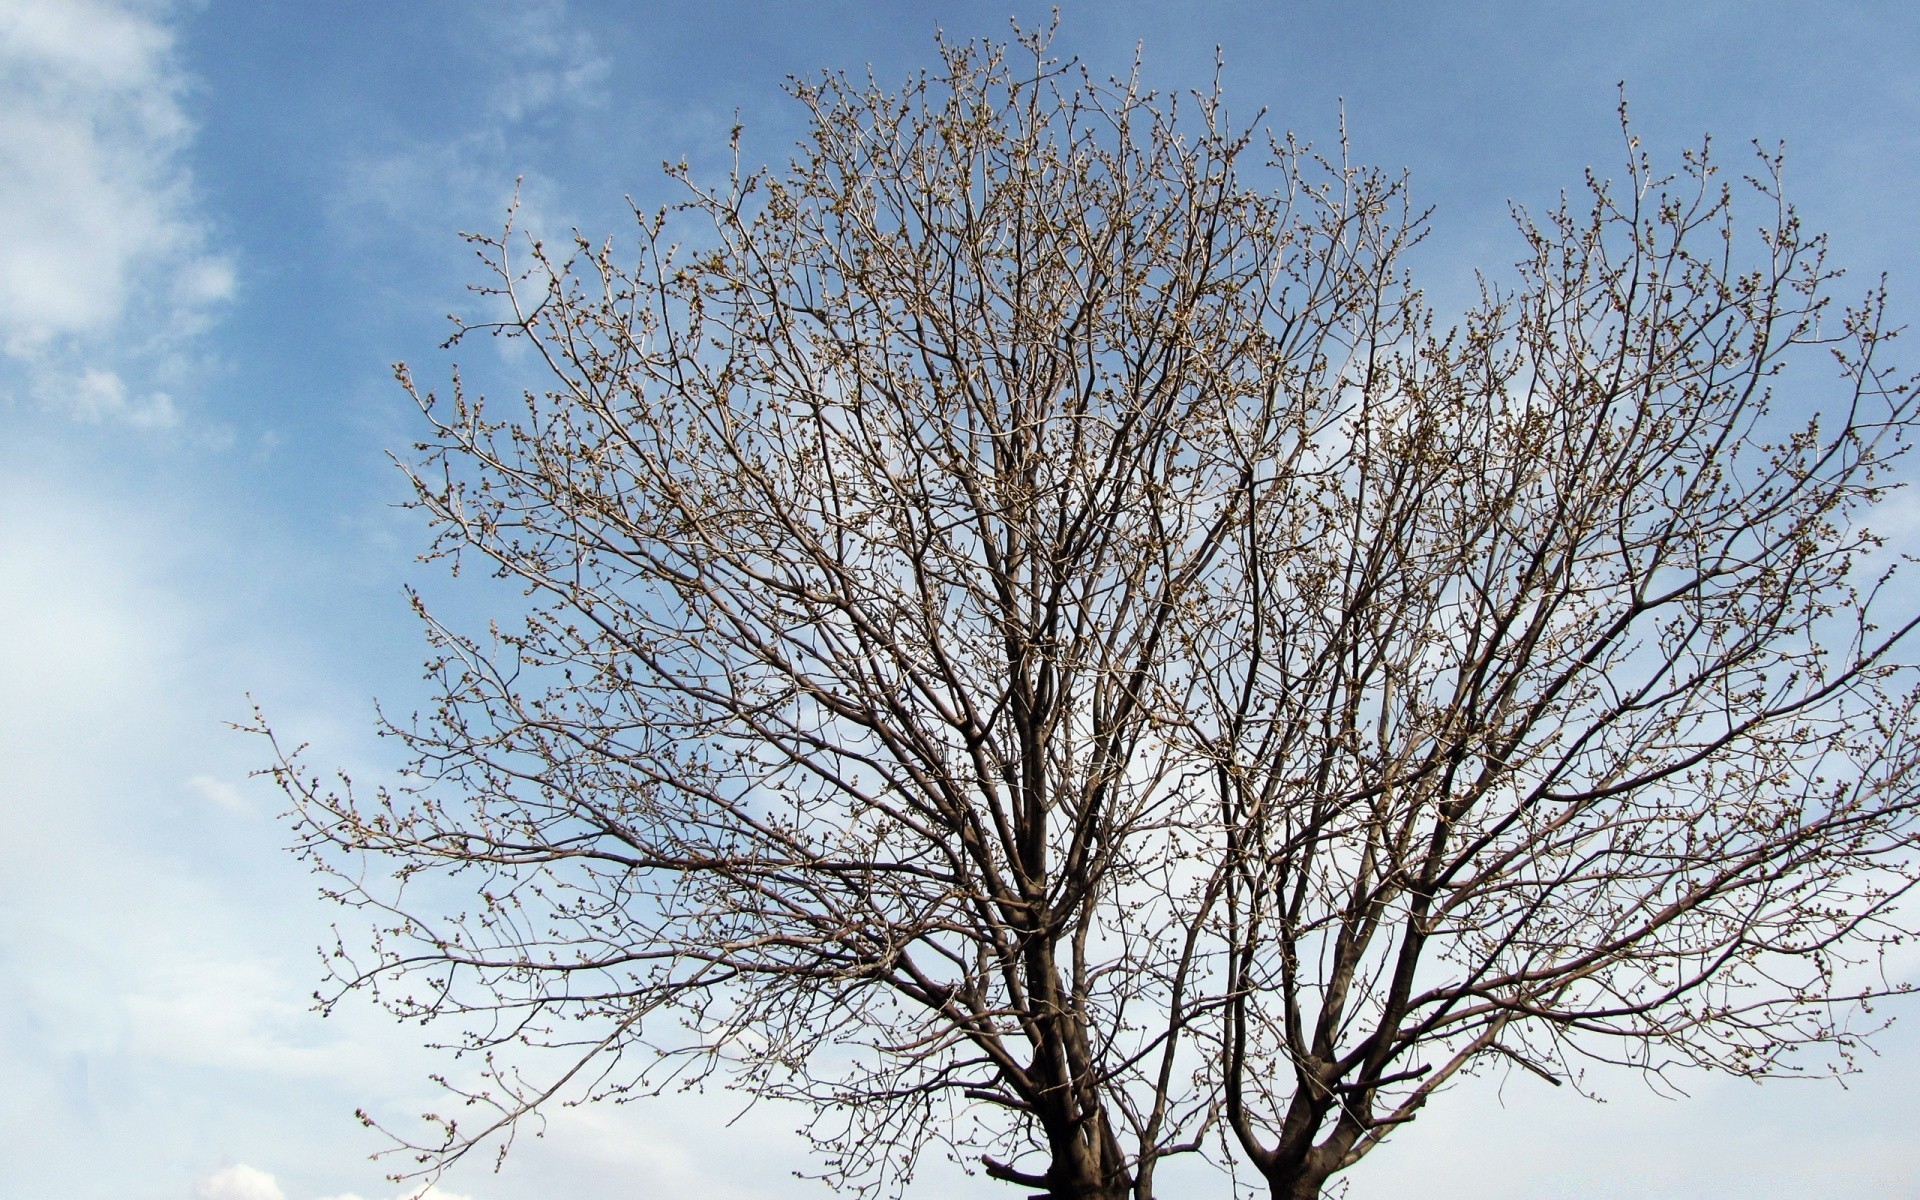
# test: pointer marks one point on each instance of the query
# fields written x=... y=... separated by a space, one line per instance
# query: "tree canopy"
x=1038 y=645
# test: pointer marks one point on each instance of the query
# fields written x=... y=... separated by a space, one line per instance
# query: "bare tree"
x=1036 y=647
x=1547 y=722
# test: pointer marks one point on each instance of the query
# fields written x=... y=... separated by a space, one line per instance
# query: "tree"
x=1036 y=645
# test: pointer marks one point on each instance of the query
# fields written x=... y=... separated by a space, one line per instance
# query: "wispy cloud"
x=108 y=272
x=242 y=1182
x=155 y=966
x=221 y=793
x=432 y=1193
x=546 y=67
x=548 y=60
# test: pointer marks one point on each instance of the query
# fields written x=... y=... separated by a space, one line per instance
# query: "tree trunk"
x=1302 y=1179
x=1090 y=1172
x=1304 y=1186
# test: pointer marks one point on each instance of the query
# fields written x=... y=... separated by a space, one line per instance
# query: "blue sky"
x=221 y=222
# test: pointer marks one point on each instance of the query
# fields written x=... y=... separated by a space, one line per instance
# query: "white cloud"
x=220 y=793
x=549 y=63
x=432 y=1193
x=240 y=1182
x=157 y=956
x=97 y=396
x=545 y=64
x=106 y=266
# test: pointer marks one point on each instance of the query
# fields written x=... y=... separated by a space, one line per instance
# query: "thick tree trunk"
x=1091 y=1170
x=1083 y=1168
x=1301 y=1180
x=1305 y=1187
x=1304 y=1184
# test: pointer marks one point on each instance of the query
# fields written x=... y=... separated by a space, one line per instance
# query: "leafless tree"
x=1037 y=646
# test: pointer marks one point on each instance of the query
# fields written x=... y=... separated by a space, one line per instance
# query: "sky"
x=222 y=222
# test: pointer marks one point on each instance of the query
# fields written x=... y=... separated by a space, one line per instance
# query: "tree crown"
x=1037 y=645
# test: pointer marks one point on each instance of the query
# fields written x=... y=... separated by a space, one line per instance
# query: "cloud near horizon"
x=242 y=1182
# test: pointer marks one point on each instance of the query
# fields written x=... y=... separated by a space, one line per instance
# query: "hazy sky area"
x=222 y=222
